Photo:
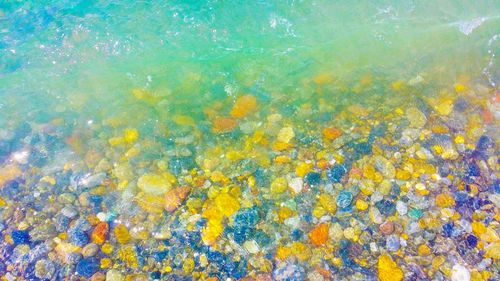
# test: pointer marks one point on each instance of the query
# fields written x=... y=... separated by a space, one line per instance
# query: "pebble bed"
x=261 y=188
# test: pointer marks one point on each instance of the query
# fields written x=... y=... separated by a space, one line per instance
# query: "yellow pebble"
x=300 y=251
x=106 y=263
x=282 y=253
x=279 y=185
x=121 y=233
x=130 y=135
x=114 y=141
x=284 y=213
x=167 y=269
x=459 y=139
x=493 y=251
x=328 y=203
x=303 y=168
x=188 y=265
x=459 y=87
x=107 y=248
x=437 y=262
x=490 y=235
x=286 y=134
x=445 y=200
x=361 y=205
x=49 y=180
x=424 y=250
x=318 y=211
x=478 y=228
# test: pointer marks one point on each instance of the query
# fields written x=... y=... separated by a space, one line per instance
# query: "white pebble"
x=401 y=208
x=460 y=273
x=251 y=246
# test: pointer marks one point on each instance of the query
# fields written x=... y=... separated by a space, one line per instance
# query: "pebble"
x=44 y=269
x=388 y=270
x=460 y=273
x=401 y=208
x=154 y=184
x=251 y=246
x=344 y=199
x=87 y=267
x=392 y=243
x=416 y=117
x=114 y=275
x=286 y=134
x=386 y=228
x=90 y=250
x=69 y=212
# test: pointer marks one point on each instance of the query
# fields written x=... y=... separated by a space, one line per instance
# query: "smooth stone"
x=90 y=250
x=460 y=273
x=44 y=269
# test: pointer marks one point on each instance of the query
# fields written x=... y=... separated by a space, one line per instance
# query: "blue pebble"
x=87 y=267
x=247 y=217
x=473 y=170
x=215 y=256
x=296 y=234
x=363 y=148
x=160 y=256
x=313 y=178
x=62 y=223
x=448 y=229
x=155 y=275
x=78 y=238
x=336 y=173
x=472 y=241
x=20 y=237
x=344 y=199
x=242 y=233
x=484 y=143
x=386 y=207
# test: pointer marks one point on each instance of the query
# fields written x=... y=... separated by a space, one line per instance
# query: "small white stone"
x=101 y=216
x=401 y=208
x=296 y=184
x=460 y=273
x=293 y=222
x=251 y=246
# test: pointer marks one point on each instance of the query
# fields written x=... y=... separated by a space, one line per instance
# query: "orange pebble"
x=323 y=164
x=487 y=116
x=100 y=232
x=175 y=197
x=244 y=105
x=319 y=235
x=224 y=125
x=331 y=133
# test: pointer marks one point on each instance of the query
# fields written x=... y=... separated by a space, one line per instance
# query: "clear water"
x=81 y=72
x=88 y=55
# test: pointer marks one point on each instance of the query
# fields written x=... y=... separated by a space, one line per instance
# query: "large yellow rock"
x=154 y=184
x=388 y=270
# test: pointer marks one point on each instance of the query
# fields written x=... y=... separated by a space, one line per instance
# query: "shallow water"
x=286 y=140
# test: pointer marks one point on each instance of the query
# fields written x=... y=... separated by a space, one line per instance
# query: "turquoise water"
x=249 y=140
x=94 y=52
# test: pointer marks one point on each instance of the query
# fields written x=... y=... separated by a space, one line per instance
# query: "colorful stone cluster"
x=261 y=189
